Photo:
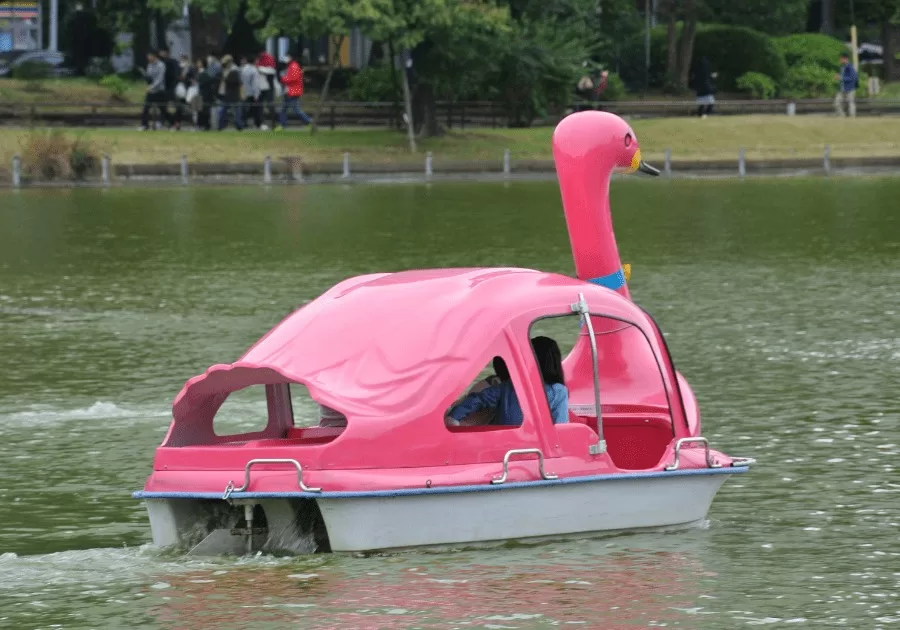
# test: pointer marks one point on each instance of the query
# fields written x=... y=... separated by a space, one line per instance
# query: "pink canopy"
x=396 y=344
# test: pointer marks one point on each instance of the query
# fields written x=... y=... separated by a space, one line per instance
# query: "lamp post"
x=54 y=25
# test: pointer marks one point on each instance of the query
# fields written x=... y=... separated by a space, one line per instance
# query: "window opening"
x=489 y=402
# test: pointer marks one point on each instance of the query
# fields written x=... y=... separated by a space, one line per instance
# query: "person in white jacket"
x=268 y=86
x=250 y=87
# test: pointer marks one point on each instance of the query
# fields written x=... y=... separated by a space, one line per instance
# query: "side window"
x=244 y=411
x=489 y=402
x=273 y=412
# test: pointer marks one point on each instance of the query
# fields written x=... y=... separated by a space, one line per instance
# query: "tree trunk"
x=887 y=51
x=333 y=61
x=393 y=66
x=686 y=50
x=827 y=26
x=407 y=105
x=671 y=46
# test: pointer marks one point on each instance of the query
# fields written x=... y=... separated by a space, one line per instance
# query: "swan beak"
x=643 y=167
x=638 y=164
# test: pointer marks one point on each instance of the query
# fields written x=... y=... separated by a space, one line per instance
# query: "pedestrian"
x=156 y=90
x=173 y=75
x=848 y=83
x=265 y=64
x=206 y=85
x=703 y=84
x=214 y=67
x=293 y=90
x=250 y=86
x=230 y=93
x=186 y=79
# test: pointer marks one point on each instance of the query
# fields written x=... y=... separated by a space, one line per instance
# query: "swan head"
x=628 y=157
x=601 y=133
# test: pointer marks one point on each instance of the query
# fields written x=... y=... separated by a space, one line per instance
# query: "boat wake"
x=100 y=410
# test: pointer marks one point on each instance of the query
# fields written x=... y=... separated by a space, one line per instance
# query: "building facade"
x=20 y=25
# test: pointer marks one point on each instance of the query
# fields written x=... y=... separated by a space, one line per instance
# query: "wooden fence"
x=459 y=115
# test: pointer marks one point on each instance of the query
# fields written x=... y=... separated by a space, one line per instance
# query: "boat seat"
x=635 y=441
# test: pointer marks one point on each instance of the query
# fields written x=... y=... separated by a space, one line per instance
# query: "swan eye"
x=628 y=140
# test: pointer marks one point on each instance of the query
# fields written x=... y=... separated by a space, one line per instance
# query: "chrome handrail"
x=742 y=462
x=523 y=451
x=695 y=440
x=581 y=307
x=230 y=487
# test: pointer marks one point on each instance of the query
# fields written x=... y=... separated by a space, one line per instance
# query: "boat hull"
x=473 y=514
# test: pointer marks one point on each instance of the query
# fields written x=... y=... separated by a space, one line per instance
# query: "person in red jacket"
x=293 y=90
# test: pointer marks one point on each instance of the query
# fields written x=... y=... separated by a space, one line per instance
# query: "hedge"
x=736 y=50
x=732 y=52
x=811 y=49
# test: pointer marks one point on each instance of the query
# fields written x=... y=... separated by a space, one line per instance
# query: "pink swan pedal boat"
x=391 y=352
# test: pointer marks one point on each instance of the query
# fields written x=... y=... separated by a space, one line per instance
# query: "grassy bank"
x=688 y=138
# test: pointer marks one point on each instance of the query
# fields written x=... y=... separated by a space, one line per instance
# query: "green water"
x=778 y=298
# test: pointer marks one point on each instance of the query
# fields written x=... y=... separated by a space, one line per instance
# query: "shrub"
x=736 y=50
x=33 y=73
x=632 y=60
x=98 y=68
x=808 y=81
x=732 y=52
x=375 y=84
x=116 y=85
x=83 y=159
x=758 y=84
x=49 y=155
x=811 y=49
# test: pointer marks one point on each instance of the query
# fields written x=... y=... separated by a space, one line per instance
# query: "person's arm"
x=559 y=404
x=485 y=399
x=158 y=76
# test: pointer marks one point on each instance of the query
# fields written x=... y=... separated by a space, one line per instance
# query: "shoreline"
x=285 y=172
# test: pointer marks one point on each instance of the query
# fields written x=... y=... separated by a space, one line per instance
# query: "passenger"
x=486 y=416
x=501 y=375
x=502 y=397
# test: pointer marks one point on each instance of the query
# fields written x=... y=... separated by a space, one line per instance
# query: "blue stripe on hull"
x=141 y=494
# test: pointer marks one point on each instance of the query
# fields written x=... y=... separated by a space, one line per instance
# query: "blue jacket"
x=503 y=398
x=849 y=78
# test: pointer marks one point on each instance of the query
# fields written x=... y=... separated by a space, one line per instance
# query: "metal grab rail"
x=230 y=487
x=523 y=451
x=742 y=462
x=695 y=440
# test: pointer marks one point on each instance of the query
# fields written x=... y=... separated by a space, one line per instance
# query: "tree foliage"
x=774 y=17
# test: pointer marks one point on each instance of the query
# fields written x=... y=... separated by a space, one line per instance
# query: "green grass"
x=72 y=90
x=688 y=138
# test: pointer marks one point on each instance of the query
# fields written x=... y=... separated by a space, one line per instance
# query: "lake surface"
x=778 y=297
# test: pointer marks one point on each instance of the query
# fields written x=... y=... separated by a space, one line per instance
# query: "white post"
x=17 y=171
x=104 y=170
x=506 y=162
x=667 y=165
x=267 y=170
x=742 y=163
x=346 y=165
x=428 y=170
x=184 y=169
x=791 y=108
x=54 y=25
x=827 y=159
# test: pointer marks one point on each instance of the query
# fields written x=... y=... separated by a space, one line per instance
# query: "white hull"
x=369 y=523
x=404 y=519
